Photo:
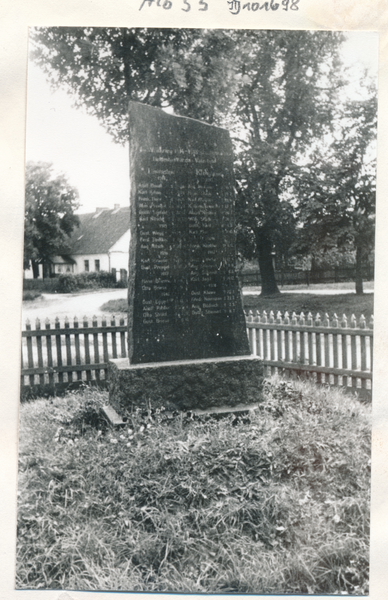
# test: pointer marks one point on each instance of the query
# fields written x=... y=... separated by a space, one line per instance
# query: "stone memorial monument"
x=187 y=341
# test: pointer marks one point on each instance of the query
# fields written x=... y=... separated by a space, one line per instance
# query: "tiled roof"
x=97 y=234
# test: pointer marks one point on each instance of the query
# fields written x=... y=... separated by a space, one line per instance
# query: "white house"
x=100 y=243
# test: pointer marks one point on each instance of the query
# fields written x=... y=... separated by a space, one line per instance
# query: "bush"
x=41 y=285
x=84 y=281
x=67 y=282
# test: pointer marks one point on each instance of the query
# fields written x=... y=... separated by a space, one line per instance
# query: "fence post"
x=122 y=339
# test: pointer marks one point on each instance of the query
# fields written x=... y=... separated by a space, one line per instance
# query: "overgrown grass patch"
x=272 y=501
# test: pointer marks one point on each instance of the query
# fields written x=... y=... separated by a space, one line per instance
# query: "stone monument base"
x=187 y=384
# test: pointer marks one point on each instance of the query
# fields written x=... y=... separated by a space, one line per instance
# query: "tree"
x=286 y=105
x=275 y=90
x=49 y=220
x=337 y=194
x=104 y=68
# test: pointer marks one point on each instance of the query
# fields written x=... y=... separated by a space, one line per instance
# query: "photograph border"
x=17 y=16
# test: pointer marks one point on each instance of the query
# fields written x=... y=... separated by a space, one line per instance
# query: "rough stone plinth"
x=186 y=384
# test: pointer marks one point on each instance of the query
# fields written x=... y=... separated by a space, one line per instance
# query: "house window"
x=59 y=269
x=96 y=265
x=86 y=263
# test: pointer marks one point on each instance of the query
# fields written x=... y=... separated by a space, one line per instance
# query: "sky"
x=78 y=146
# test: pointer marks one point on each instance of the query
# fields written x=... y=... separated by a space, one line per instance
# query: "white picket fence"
x=332 y=351
x=56 y=356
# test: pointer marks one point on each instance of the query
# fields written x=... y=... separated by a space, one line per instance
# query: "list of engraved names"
x=185 y=220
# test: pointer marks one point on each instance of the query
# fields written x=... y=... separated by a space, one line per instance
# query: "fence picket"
x=318 y=346
x=363 y=350
x=105 y=345
x=96 y=349
x=336 y=339
x=40 y=351
x=30 y=356
x=353 y=349
x=326 y=346
x=272 y=340
x=49 y=354
x=310 y=339
x=87 y=350
x=113 y=338
x=302 y=339
x=68 y=350
x=77 y=348
x=59 y=350
x=287 y=338
x=344 y=346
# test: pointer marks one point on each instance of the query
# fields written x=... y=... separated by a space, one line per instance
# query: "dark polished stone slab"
x=184 y=298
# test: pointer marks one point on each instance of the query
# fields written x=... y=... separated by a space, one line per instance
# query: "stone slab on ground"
x=186 y=384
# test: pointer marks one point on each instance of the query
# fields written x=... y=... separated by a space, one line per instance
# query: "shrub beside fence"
x=67 y=282
x=331 y=351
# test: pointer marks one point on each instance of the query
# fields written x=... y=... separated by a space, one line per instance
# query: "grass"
x=274 y=501
x=323 y=303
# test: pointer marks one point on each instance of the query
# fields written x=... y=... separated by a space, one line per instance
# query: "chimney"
x=116 y=207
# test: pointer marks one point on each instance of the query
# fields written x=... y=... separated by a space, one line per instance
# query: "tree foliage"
x=337 y=194
x=278 y=92
x=50 y=202
x=104 y=68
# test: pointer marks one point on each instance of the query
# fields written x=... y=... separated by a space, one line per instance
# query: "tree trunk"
x=35 y=269
x=264 y=250
x=359 y=284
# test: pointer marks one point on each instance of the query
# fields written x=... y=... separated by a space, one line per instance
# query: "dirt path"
x=69 y=305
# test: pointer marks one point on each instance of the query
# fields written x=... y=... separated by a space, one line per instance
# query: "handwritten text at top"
x=167 y=4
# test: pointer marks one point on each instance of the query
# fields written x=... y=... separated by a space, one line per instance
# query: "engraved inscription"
x=186 y=301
